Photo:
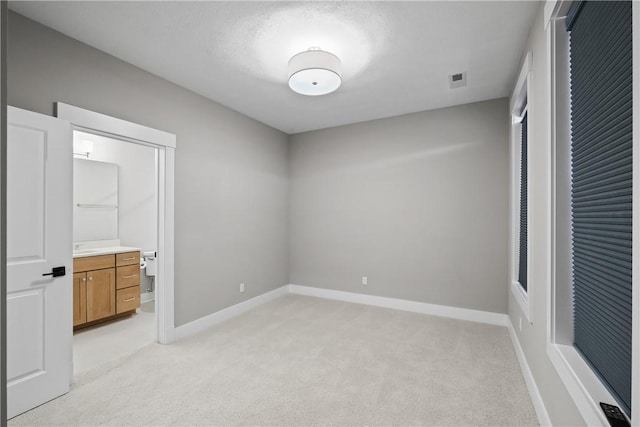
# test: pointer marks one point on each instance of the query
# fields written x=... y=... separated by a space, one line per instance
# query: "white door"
x=39 y=227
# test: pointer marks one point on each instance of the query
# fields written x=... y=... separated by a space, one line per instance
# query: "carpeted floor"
x=308 y=361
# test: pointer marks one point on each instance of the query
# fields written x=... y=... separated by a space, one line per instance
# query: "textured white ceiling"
x=396 y=56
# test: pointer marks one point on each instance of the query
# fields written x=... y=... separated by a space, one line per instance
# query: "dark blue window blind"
x=601 y=188
x=522 y=269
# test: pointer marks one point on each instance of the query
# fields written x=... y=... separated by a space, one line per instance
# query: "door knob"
x=56 y=272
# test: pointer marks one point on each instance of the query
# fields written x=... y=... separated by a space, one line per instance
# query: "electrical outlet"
x=520 y=323
x=241 y=287
x=364 y=280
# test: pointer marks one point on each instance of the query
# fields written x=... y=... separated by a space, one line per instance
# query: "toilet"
x=151 y=262
x=148 y=263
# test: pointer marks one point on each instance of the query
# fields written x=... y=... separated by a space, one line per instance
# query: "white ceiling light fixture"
x=315 y=72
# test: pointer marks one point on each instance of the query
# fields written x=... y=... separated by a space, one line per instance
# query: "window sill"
x=522 y=297
x=581 y=382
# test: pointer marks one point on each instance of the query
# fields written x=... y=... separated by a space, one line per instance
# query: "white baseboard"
x=536 y=398
x=405 y=305
x=203 y=323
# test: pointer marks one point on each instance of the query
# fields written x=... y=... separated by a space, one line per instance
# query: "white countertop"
x=103 y=251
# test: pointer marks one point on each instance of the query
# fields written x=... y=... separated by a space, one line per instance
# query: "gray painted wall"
x=533 y=337
x=231 y=171
x=417 y=203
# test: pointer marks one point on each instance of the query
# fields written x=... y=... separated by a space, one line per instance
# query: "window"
x=591 y=335
x=601 y=188
x=524 y=202
x=520 y=190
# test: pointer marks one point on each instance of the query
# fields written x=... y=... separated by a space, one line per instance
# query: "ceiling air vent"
x=458 y=80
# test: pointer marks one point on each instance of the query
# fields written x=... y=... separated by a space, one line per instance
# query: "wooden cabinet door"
x=101 y=294
x=79 y=298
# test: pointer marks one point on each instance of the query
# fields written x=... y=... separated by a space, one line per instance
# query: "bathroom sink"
x=103 y=251
x=86 y=251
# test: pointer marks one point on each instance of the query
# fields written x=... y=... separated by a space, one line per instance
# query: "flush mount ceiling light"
x=314 y=72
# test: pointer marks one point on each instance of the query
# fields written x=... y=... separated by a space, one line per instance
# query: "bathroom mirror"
x=95 y=200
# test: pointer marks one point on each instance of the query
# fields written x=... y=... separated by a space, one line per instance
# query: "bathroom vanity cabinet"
x=105 y=286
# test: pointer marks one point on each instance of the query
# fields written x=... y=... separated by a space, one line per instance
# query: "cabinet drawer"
x=128 y=258
x=127 y=299
x=93 y=263
x=127 y=276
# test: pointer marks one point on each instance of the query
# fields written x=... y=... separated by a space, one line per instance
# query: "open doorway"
x=39 y=300
x=162 y=144
x=115 y=241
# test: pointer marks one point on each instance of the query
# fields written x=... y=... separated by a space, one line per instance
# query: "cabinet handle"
x=84 y=279
x=128 y=277
x=128 y=299
x=128 y=259
x=90 y=277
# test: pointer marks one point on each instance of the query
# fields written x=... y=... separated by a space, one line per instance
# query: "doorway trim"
x=101 y=124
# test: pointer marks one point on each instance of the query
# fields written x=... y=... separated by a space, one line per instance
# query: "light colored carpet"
x=308 y=361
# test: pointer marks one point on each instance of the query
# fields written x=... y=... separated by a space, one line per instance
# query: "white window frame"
x=581 y=382
x=519 y=104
